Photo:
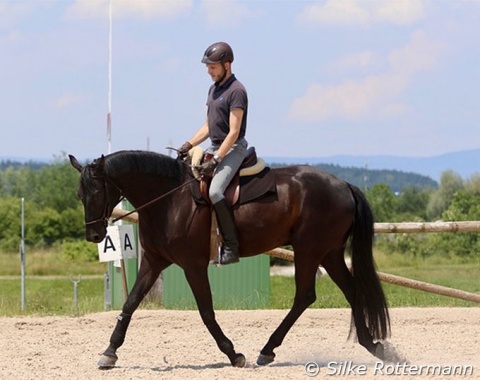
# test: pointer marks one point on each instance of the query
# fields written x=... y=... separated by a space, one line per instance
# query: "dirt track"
x=175 y=345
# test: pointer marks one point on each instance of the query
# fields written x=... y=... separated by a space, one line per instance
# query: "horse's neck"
x=142 y=188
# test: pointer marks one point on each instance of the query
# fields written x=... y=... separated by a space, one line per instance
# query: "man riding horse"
x=226 y=123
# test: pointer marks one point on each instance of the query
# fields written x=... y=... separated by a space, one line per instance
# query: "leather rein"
x=154 y=200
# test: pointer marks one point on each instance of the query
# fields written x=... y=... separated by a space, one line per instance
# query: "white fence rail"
x=386 y=228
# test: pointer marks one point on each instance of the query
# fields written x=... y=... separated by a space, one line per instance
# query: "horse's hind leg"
x=304 y=296
x=147 y=276
x=198 y=280
x=334 y=264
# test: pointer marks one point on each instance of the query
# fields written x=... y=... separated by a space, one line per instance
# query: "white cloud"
x=10 y=38
x=374 y=95
x=350 y=100
x=68 y=100
x=418 y=55
x=225 y=13
x=400 y=12
x=363 y=13
x=136 y=9
x=364 y=59
x=13 y=11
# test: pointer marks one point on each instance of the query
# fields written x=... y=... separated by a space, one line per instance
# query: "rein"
x=154 y=200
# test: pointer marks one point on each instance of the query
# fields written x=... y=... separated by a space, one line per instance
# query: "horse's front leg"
x=147 y=276
x=198 y=280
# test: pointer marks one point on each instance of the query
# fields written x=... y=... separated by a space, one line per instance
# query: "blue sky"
x=362 y=77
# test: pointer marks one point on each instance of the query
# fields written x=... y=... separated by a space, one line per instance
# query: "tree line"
x=54 y=214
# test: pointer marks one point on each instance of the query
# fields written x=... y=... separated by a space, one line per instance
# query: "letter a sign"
x=118 y=244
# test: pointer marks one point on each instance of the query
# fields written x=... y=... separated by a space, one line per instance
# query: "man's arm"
x=235 y=123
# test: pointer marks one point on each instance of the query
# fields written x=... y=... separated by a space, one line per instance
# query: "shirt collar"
x=227 y=83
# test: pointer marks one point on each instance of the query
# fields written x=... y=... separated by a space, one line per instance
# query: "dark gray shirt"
x=221 y=100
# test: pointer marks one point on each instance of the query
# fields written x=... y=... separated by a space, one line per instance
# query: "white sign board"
x=119 y=243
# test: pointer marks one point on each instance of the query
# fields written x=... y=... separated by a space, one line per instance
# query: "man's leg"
x=222 y=178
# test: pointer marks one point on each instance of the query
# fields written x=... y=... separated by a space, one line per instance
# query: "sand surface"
x=168 y=344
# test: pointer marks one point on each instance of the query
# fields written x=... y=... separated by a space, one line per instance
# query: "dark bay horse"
x=315 y=212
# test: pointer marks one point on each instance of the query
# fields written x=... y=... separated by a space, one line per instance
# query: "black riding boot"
x=229 y=253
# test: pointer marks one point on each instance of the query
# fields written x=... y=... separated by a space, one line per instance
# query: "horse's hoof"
x=379 y=351
x=239 y=361
x=265 y=359
x=107 y=362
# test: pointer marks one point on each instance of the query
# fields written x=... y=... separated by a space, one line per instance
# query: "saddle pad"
x=252 y=187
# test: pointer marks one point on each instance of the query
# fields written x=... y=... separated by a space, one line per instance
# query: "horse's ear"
x=75 y=163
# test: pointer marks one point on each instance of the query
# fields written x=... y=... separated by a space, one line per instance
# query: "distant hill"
x=364 y=178
x=465 y=163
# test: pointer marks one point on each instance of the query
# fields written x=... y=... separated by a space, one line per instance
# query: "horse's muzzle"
x=94 y=236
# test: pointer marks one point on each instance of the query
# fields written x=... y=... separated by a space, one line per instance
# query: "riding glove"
x=183 y=150
x=207 y=168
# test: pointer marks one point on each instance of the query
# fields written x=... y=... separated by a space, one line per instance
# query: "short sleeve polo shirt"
x=221 y=100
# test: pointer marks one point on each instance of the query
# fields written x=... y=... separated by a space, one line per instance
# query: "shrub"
x=79 y=250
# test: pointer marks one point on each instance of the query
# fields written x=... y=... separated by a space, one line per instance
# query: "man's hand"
x=207 y=168
x=183 y=150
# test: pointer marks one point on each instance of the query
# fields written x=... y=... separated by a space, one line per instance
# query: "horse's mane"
x=143 y=162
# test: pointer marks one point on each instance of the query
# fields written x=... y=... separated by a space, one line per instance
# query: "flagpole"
x=109 y=126
x=109 y=115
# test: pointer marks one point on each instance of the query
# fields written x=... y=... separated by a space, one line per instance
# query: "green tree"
x=44 y=227
x=383 y=202
x=57 y=186
x=412 y=203
x=465 y=206
x=472 y=185
x=10 y=223
x=18 y=182
x=450 y=183
x=72 y=223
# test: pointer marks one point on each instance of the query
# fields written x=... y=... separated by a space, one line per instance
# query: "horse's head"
x=98 y=195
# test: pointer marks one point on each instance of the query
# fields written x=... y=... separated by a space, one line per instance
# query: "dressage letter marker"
x=119 y=243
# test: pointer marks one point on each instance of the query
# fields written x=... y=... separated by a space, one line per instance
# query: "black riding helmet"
x=219 y=52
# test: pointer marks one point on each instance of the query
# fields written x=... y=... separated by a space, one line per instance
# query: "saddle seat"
x=251 y=165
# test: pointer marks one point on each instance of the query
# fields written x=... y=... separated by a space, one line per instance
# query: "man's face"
x=216 y=71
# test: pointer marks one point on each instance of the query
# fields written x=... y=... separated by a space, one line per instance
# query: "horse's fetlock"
x=225 y=346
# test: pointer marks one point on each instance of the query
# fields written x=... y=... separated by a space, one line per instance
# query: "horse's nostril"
x=93 y=237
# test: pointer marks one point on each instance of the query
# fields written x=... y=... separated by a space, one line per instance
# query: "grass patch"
x=53 y=294
x=47 y=263
x=453 y=272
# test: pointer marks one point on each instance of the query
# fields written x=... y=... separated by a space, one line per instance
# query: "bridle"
x=104 y=218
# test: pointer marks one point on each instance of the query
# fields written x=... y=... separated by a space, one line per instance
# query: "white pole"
x=109 y=115
x=109 y=273
x=22 y=256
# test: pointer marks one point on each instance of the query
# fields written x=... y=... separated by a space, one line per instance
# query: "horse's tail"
x=370 y=301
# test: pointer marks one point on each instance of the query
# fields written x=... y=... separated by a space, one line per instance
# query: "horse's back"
x=311 y=184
